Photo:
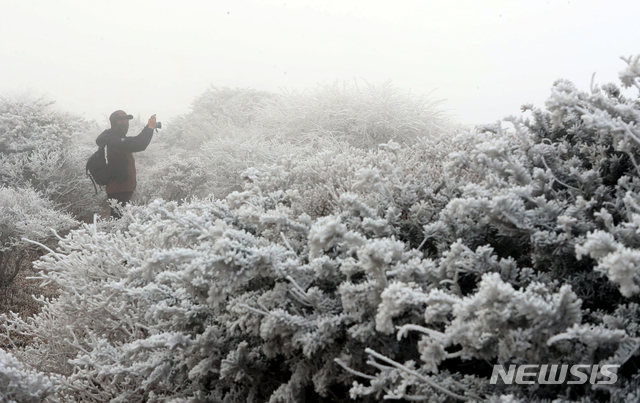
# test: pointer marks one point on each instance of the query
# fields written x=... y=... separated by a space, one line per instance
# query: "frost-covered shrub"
x=215 y=169
x=367 y=274
x=229 y=131
x=219 y=137
x=202 y=301
x=20 y=385
x=175 y=178
x=26 y=123
x=403 y=184
x=615 y=241
x=560 y=187
x=42 y=148
x=60 y=176
x=226 y=158
x=25 y=214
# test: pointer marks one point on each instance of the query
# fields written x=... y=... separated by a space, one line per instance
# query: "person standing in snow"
x=120 y=161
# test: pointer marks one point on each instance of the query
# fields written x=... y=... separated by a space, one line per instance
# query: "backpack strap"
x=89 y=174
x=92 y=181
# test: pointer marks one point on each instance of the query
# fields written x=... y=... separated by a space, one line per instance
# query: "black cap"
x=119 y=115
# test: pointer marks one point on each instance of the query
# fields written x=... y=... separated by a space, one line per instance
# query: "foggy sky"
x=484 y=58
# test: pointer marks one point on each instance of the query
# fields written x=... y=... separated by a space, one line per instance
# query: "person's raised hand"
x=152 y=122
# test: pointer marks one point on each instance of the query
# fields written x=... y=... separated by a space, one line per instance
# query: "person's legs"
x=122 y=199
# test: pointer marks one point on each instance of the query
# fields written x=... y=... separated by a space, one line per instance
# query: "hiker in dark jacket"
x=120 y=161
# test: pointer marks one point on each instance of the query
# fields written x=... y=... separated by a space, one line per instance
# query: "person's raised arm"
x=137 y=143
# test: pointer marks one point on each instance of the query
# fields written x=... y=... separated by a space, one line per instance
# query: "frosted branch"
x=352 y=371
x=426 y=380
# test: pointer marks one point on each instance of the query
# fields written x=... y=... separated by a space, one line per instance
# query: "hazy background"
x=485 y=58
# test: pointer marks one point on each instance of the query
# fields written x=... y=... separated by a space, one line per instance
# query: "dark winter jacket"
x=120 y=159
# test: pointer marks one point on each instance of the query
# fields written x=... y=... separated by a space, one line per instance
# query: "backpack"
x=97 y=169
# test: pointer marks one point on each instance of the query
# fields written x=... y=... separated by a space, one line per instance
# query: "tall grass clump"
x=219 y=112
x=362 y=115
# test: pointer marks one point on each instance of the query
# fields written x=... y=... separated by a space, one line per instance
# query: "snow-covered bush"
x=403 y=184
x=25 y=214
x=175 y=178
x=214 y=169
x=367 y=274
x=20 y=385
x=182 y=308
x=228 y=131
x=217 y=140
x=41 y=148
x=27 y=123
x=561 y=186
x=615 y=241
